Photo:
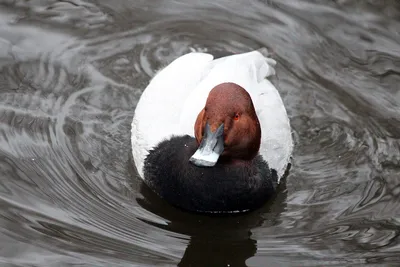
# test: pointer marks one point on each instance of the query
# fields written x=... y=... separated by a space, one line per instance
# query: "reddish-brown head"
x=230 y=116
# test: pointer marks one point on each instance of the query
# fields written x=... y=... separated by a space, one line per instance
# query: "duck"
x=212 y=135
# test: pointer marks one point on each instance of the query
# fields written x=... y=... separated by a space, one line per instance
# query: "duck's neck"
x=234 y=161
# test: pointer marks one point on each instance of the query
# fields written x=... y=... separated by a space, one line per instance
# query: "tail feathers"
x=255 y=64
x=264 y=51
x=266 y=65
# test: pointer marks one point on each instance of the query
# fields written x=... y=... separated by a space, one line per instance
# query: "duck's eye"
x=236 y=117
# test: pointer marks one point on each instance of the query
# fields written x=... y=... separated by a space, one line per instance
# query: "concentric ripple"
x=71 y=73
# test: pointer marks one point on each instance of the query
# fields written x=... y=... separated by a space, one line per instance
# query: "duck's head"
x=227 y=127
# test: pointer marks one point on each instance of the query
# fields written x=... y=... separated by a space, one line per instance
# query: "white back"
x=175 y=96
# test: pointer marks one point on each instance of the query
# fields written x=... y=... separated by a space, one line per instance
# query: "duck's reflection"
x=216 y=240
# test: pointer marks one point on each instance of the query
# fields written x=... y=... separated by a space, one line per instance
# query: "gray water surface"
x=71 y=73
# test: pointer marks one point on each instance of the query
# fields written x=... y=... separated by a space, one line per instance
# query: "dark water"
x=71 y=73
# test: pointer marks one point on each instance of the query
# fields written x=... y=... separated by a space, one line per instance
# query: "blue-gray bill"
x=211 y=147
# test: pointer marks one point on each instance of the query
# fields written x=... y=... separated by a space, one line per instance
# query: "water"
x=71 y=73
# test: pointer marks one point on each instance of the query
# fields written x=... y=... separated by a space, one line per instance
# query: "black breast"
x=222 y=188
